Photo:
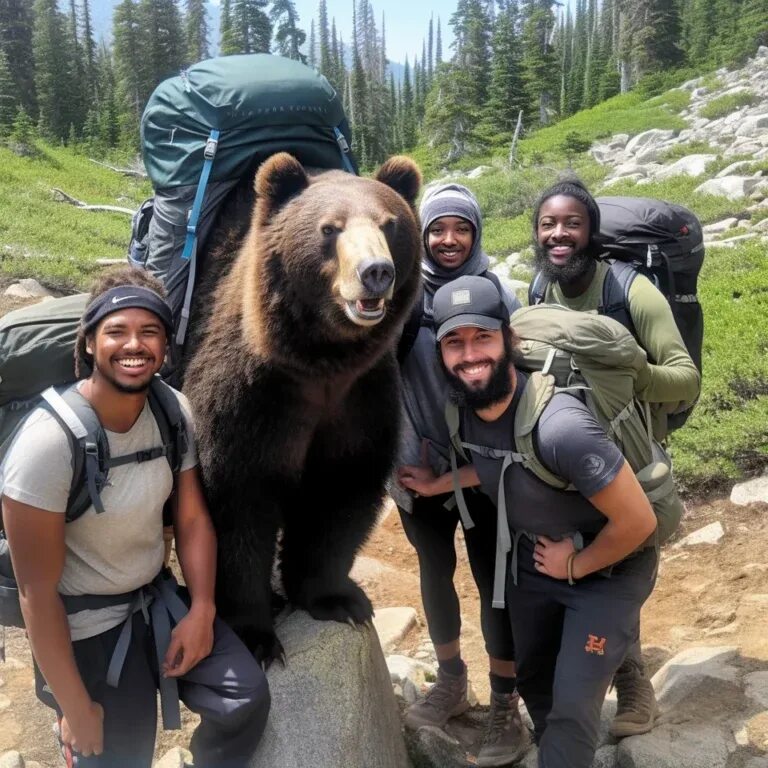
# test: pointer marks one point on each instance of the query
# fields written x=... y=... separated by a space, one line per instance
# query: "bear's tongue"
x=370 y=305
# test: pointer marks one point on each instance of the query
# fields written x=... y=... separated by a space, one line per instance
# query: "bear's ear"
x=403 y=175
x=279 y=178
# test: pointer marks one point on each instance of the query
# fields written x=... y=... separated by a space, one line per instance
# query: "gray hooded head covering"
x=451 y=200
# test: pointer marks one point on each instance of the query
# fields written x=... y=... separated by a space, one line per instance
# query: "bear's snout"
x=376 y=275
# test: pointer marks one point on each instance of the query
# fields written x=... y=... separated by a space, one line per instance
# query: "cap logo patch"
x=461 y=297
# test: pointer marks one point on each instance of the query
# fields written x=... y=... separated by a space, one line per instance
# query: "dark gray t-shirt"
x=571 y=443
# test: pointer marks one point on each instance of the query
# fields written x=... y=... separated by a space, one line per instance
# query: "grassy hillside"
x=54 y=241
x=726 y=437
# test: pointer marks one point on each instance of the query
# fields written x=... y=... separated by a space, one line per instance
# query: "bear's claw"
x=264 y=645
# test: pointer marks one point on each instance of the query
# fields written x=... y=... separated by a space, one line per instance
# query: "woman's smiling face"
x=450 y=240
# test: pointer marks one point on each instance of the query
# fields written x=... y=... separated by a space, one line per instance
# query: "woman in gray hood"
x=452 y=233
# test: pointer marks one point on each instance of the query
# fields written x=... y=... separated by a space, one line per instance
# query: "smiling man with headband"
x=100 y=668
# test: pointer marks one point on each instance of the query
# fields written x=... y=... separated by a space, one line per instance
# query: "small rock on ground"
x=709 y=534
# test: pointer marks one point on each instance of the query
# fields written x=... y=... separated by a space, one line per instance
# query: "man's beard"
x=127 y=389
x=572 y=270
x=498 y=387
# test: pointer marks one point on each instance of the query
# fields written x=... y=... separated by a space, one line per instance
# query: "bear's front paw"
x=350 y=606
x=263 y=644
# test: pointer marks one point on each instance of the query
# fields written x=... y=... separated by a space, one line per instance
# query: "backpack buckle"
x=211 y=145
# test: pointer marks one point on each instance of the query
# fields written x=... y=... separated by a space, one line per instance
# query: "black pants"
x=227 y=689
x=431 y=529
x=569 y=641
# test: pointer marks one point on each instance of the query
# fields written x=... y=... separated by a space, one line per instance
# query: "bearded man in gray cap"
x=578 y=574
x=452 y=235
x=91 y=595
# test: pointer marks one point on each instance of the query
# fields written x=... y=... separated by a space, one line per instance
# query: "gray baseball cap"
x=470 y=300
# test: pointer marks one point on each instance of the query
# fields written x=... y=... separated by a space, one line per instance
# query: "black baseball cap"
x=470 y=300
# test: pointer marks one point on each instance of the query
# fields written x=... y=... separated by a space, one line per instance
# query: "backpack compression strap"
x=614 y=302
x=537 y=289
x=341 y=140
x=190 y=244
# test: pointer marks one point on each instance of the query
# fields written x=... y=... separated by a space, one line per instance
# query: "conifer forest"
x=512 y=64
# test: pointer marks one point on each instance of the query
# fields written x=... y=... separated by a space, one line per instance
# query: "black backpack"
x=662 y=241
x=91 y=462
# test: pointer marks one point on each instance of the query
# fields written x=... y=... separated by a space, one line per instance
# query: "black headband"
x=127 y=297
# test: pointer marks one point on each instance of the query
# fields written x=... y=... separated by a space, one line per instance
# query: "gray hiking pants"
x=227 y=689
x=569 y=641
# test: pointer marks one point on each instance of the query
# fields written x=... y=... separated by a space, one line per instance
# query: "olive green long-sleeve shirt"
x=673 y=380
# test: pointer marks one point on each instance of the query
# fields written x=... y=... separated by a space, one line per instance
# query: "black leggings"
x=431 y=529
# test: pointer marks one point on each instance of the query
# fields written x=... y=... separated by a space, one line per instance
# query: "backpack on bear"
x=662 y=241
x=205 y=129
x=597 y=358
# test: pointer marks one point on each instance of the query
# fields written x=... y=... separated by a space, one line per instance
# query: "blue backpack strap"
x=615 y=296
x=190 y=244
x=537 y=289
x=341 y=140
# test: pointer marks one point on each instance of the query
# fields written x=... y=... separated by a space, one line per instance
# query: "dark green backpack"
x=204 y=130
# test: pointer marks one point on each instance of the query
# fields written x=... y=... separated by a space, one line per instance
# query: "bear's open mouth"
x=365 y=311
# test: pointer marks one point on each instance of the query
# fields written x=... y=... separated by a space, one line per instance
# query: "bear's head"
x=333 y=262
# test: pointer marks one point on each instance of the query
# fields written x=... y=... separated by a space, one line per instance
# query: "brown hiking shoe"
x=636 y=709
x=447 y=698
x=505 y=739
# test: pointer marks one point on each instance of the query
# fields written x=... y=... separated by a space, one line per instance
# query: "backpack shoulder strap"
x=90 y=448
x=536 y=396
x=537 y=289
x=615 y=296
x=166 y=409
x=411 y=328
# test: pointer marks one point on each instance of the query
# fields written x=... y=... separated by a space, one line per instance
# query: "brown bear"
x=294 y=385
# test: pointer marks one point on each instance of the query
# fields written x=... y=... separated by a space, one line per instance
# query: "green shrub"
x=724 y=105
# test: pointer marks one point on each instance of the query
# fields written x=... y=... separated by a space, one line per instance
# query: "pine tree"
x=751 y=29
x=162 y=42
x=196 y=31
x=251 y=27
x=506 y=94
x=129 y=68
x=408 y=116
x=438 y=46
x=288 y=37
x=109 y=114
x=430 y=52
x=471 y=27
x=312 y=46
x=52 y=69
x=539 y=67
x=16 y=41
x=337 y=69
x=89 y=53
x=78 y=95
x=23 y=132
x=358 y=100
x=8 y=104
x=227 y=38
x=447 y=124
x=324 y=40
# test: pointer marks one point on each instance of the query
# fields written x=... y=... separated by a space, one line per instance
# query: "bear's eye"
x=327 y=229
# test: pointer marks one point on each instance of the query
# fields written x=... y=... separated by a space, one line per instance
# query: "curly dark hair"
x=112 y=278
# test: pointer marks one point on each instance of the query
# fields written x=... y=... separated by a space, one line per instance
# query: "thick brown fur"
x=295 y=387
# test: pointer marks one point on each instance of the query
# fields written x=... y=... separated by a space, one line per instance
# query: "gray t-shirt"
x=571 y=443
x=114 y=552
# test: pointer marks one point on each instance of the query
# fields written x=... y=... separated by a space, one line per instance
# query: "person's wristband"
x=569 y=568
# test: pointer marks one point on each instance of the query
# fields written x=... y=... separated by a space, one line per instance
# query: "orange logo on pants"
x=595 y=644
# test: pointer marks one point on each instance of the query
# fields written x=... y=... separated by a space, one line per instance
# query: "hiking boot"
x=636 y=708
x=447 y=698
x=506 y=739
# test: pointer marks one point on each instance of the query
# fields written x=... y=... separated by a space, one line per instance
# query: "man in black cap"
x=571 y=625
x=100 y=667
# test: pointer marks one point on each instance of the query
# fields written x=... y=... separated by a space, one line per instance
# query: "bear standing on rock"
x=295 y=390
